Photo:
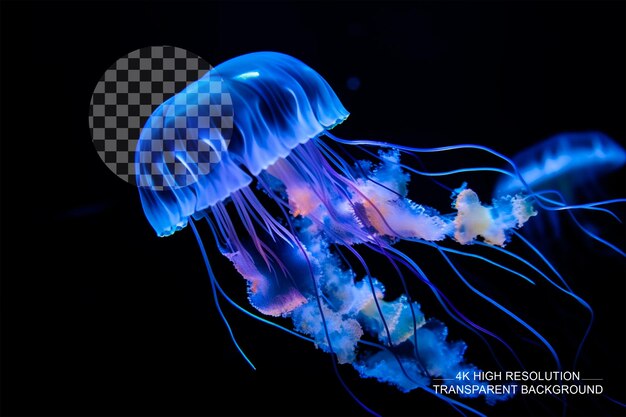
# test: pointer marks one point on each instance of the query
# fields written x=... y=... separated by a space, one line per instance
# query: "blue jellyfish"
x=564 y=162
x=560 y=171
x=298 y=214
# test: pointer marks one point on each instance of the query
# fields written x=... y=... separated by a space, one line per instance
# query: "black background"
x=100 y=317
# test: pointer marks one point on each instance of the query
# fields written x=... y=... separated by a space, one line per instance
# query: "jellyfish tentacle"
x=487 y=260
x=444 y=173
x=368 y=276
x=543 y=259
x=327 y=334
x=410 y=149
x=381 y=249
x=503 y=309
x=335 y=159
x=449 y=307
x=245 y=205
x=243 y=215
x=274 y=225
x=595 y=236
x=566 y=290
x=215 y=298
x=562 y=205
x=243 y=310
x=594 y=206
x=229 y=230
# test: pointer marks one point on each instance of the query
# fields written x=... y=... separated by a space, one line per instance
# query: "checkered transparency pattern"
x=127 y=94
x=185 y=136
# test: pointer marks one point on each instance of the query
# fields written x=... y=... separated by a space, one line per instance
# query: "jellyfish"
x=298 y=215
x=566 y=168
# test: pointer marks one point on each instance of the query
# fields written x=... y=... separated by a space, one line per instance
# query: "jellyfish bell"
x=279 y=152
x=567 y=169
x=279 y=103
x=565 y=162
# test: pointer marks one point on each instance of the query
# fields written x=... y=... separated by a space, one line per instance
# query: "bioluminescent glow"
x=560 y=169
x=313 y=214
x=563 y=162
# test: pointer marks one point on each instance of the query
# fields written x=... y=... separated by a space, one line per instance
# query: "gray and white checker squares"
x=127 y=94
x=184 y=137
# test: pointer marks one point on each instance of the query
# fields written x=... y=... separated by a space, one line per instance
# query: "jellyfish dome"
x=278 y=103
x=566 y=169
x=247 y=151
x=576 y=157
